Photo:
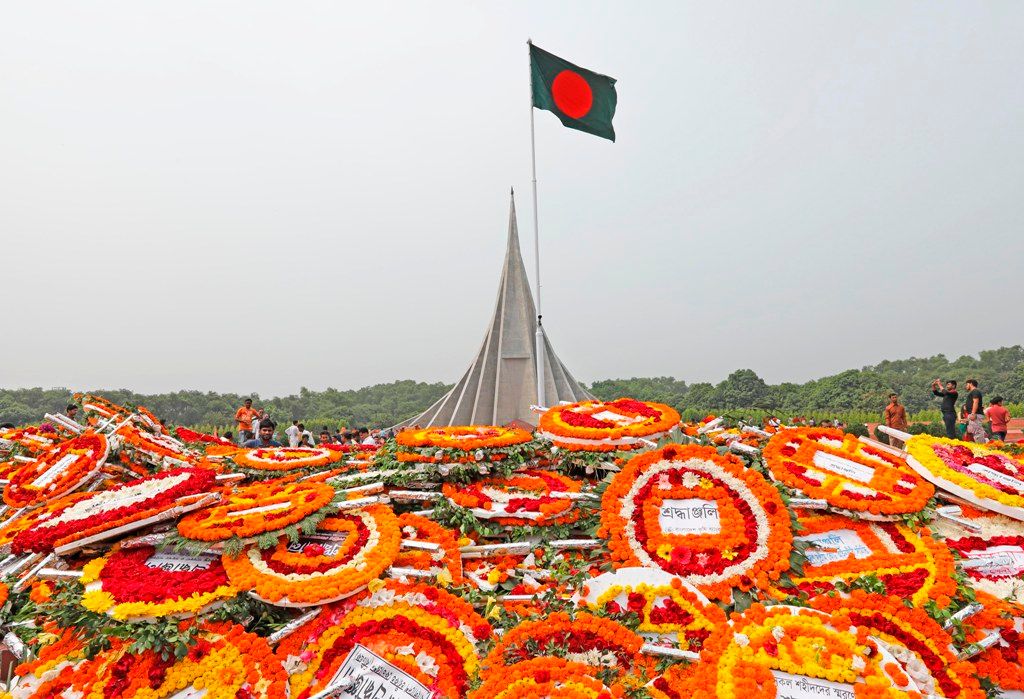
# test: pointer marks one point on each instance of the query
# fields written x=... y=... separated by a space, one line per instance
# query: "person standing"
x=999 y=417
x=948 y=396
x=293 y=434
x=244 y=417
x=71 y=411
x=975 y=412
x=895 y=416
x=266 y=437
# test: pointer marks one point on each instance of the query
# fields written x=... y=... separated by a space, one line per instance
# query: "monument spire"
x=501 y=382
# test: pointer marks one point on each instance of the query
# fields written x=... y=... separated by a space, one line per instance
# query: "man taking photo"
x=948 y=397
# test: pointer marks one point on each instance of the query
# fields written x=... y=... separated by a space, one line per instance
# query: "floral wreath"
x=463 y=437
x=848 y=474
x=446 y=563
x=347 y=552
x=595 y=425
x=158 y=449
x=257 y=509
x=1003 y=663
x=57 y=471
x=531 y=497
x=667 y=606
x=14 y=526
x=286 y=458
x=914 y=639
x=985 y=474
x=740 y=534
x=545 y=678
x=227 y=662
x=994 y=557
x=73 y=517
x=100 y=406
x=796 y=641
x=911 y=564
x=139 y=583
x=32 y=438
x=423 y=631
x=584 y=638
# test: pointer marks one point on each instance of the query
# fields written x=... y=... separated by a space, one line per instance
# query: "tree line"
x=865 y=390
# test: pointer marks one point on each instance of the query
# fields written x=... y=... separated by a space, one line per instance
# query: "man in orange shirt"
x=244 y=417
x=895 y=416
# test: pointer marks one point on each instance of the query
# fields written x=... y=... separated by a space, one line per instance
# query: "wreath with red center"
x=348 y=551
x=533 y=497
x=911 y=564
x=57 y=471
x=139 y=582
x=73 y=517
x=848 y=474
x=596 y=425
x=703 y=516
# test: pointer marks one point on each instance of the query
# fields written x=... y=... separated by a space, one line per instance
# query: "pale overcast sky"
x=258 y=196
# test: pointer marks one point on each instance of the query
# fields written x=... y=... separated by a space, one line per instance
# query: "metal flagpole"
x=539 y=336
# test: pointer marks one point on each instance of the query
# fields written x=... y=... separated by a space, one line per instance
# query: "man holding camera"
x=948 y=396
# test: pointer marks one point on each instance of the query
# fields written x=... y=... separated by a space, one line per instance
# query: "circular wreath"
x=257 y=509
x=667 y=606
x=606 y=426
x=226 y=663
x=422 y=639
x=446 y=562
x=140 y=583
x=732 y=529
x=545 y=678
x=993 y=557
x=463 y=437
x=57 y=471
x=920 y=646
x=801 y=642
x=348 y=551
x=286 y=458
x=993 y=478
x=592 y=640
x=910 y=564
x=158 y=449
x=74 y=517
x=531 y=497
x=848 y=474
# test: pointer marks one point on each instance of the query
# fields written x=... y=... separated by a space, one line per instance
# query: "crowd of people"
x=257 y=429
x=966 y=422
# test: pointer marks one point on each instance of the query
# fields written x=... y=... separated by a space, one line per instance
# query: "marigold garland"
x=446 y=562
x=286 y=458
x=993 y=557
x=325 y=566
x=531 y=497
x=157 y=449
x=672 y=609
x=748 y=544
x=920 y=645
x=422 y=643
x=988 y=474
x=463 y=437
x=256 y=509
x=546 y=678
x=74 y=517
x=911 y=564
x=803 y=642
x=57 y=471
x=596 y=424
x=125 y=586
x=835 y=466
x=584 y=638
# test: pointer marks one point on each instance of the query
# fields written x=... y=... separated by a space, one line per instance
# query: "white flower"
x=778 y=632
x=858 y=663
x=691 y=479
x=405 y=650
x=426 y=664
x=741 y=639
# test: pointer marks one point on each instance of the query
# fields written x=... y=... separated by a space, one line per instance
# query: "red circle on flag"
x=572 y=94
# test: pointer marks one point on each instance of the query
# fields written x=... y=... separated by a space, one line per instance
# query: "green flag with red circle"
x=580 y=98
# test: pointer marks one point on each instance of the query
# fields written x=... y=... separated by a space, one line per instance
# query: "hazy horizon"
x=257 y=196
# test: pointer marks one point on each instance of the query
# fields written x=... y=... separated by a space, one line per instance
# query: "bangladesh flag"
x=580 y=98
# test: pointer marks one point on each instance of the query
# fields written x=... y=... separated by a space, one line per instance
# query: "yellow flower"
x=728 y=554
x=444 y=578
x=664 y=551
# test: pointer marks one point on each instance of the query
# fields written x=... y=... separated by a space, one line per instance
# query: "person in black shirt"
x=948 y=397
x=975 y=412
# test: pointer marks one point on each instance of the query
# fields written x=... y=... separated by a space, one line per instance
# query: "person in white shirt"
x=293 y=434
x=305 y=436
